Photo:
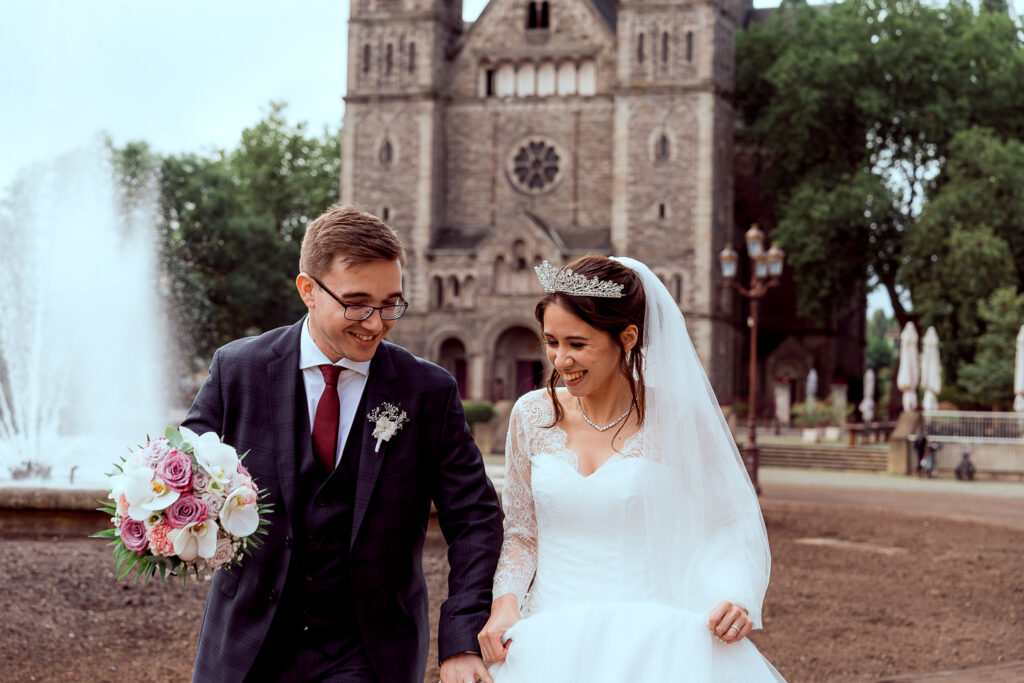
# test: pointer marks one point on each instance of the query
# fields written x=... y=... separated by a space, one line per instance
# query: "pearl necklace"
x=607 y=426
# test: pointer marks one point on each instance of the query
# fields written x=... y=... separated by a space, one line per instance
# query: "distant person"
x=634 y=545
x=354 y=439
x=920 y=448
x=965 y=470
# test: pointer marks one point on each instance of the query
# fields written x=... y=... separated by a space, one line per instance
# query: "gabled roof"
x=606 y=9
x=568 y=240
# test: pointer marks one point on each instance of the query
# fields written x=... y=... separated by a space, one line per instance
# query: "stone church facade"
x=544 y=130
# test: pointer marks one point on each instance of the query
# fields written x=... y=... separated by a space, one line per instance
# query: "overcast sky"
x=183 y=75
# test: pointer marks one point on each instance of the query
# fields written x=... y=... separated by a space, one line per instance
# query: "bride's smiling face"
x=588 y=359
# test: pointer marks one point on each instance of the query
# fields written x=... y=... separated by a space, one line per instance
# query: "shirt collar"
x=310 y=355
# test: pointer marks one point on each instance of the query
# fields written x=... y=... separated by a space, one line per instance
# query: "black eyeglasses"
x=362 y=312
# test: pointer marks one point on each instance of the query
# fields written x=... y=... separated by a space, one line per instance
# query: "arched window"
x=531 y=15
x=388 y=60
x=664 y=47
x=661 y=148
x=640 y=49
x=689 y=46
x=412 y=57
x=386 y=152
x=436 y=292
x=519 y=255
x=544 y=15
x=661 y=210
x=453 y=287
x=385 y=214
x=366 y=59
x=677 y=288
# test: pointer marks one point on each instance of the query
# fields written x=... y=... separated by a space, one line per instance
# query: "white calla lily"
x=198 y=539
x=216 y=458
x=239 y=515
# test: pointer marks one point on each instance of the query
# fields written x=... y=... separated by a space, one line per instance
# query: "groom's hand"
x=465 y=668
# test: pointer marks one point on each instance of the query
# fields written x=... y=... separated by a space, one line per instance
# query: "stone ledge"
x=37 y=498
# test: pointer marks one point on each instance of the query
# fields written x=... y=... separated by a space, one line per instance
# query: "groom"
x=337 y=592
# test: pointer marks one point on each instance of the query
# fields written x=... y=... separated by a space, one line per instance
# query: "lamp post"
x=765 y=271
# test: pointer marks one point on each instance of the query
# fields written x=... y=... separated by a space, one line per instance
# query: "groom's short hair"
x=347 y=231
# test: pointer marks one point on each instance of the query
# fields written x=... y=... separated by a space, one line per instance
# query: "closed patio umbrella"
x=910 y=368
x=1018 y=374
x=867 y=404
x=931 y=370
x=812 y=386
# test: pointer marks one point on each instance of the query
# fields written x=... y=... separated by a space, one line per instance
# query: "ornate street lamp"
x=765 y=271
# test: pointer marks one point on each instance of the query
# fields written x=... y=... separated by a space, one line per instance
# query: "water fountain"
x=82 y=337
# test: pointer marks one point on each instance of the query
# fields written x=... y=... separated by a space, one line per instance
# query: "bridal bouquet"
x=182 y=502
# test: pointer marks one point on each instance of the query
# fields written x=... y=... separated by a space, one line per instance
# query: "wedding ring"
x=735 y=627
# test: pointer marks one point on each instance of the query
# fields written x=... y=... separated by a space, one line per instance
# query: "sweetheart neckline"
x=575 y=470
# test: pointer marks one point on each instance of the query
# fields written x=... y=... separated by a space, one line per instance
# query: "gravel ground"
x=856 y=595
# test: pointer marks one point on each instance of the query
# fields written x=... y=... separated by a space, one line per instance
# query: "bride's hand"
x=729 y=622
x=504 y=613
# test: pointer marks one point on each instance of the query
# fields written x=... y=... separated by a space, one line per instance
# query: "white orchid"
x=215 y=457
x=198 y=539
x=239 y=516
x=144 y=492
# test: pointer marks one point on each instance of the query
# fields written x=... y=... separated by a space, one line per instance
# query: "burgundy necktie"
x=325 y=425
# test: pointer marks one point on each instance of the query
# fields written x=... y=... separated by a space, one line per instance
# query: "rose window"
x=535 y=165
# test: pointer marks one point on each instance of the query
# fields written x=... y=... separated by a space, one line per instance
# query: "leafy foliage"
x=854 y=111
x=231 y=225
x=968 y=243
x=988 y=378
x=478 y=411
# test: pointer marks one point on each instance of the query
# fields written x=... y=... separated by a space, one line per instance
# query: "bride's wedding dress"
x=590 y=614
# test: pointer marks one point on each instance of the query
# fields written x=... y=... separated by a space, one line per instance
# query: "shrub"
x=478 y=411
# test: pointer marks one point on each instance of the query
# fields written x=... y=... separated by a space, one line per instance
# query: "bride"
x=634 y=545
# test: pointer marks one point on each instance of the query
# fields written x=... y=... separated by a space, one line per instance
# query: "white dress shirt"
x=351 y=382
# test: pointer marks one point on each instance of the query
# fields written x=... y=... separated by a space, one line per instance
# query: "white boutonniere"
x=387 y=420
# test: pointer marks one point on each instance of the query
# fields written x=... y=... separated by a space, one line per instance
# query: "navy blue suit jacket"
x=250 y=398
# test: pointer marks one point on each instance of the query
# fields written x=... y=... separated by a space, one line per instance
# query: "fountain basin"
x=50 y=512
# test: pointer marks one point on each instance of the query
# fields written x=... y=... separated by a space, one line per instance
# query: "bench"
x=871 y=432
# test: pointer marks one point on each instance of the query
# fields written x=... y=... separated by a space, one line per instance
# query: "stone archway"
x=452 y=357
x=518 y=364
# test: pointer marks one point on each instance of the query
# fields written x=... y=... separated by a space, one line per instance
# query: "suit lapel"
x=283 y=377
x=380 y=388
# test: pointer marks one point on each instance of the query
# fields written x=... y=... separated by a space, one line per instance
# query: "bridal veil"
x=706 y=537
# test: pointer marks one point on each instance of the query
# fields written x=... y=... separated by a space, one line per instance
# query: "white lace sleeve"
x=518 y=562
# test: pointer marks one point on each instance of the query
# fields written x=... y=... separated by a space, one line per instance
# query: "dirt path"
x=1003 y=511
x=865 y=587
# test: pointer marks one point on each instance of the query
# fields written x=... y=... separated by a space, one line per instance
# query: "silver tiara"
x=555 y=279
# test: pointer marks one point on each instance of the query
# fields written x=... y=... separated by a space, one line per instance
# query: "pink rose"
x=176 y=471
x=184 y=511
x=200 y=481
x=222 y=555
x=213 y=503
x=133 y=535
x=153 y=451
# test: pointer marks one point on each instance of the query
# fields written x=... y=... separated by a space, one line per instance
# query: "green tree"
x=881 y=353
x=231 y=226
x=968 y=242
x=988 y=378
x=853 y=111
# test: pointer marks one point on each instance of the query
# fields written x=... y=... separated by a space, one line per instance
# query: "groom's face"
x=375 y=283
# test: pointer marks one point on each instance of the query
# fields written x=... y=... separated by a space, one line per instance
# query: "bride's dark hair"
x=611 y=315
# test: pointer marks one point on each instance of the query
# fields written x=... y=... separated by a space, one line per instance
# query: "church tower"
x=674 y=134
x=393 y=149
